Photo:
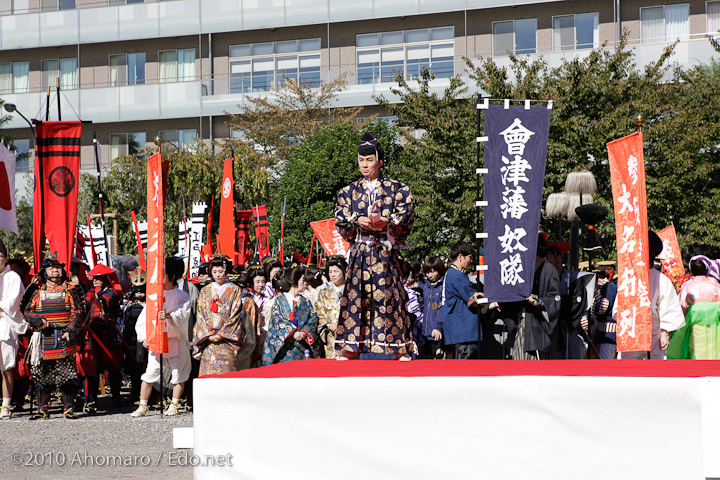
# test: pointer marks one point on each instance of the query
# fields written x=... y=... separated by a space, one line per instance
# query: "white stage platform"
x=589 y=419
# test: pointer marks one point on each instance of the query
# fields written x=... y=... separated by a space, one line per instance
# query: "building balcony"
x=213 y=96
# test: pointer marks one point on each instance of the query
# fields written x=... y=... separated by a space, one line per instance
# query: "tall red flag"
x=242 y=238
x=261 y=230
x=156 y=337
x=226 y=231
x=57 y=171
x=627 y=172
x=141 y=253
x=207 y=249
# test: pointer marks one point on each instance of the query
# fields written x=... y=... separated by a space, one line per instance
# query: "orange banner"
x=156 y=337
x=226 y=231
x=330 y=238
x=627 y=171
x=671 y=256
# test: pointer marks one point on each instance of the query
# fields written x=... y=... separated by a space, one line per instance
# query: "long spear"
x=282 y=233
x=96 y=147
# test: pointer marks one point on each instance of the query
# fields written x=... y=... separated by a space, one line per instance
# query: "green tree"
x=439 y=165
x=317 y=170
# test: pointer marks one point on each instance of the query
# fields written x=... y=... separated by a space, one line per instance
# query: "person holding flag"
x=174 y=317
x=373 y=214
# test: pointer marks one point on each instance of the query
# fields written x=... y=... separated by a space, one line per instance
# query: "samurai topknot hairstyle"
x=369 y=145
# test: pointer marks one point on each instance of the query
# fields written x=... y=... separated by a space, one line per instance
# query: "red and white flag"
x=329 y=237
x=8 y=214
x=627 y=171
x=226 y=231
x=156 y=337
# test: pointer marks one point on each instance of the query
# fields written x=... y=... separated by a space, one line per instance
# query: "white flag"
x=8 y=215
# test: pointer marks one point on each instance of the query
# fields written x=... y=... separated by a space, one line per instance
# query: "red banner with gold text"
x=156 y=337
x=671 y=257
x=627 y=171
x=329 y=237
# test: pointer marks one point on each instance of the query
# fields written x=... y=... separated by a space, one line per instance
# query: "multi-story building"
x=137 y=69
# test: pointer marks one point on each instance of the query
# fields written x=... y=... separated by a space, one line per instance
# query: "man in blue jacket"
x=460 y=324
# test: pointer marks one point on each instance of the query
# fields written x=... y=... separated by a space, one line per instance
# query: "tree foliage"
x=317 y=170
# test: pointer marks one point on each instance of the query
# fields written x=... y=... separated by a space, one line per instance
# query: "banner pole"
x=96 y=146
x=57 y=92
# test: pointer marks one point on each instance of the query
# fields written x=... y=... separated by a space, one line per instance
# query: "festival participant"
x=538 y=317
x=293 y=322
x=174 y=316
x=12 y=325
x=313 y=281
x=134 y=366
x=223 y=326
x=569 y=340
x=21 y=370
x=203 y=275
x=373 y=214
x=328 y=303
x=700 y=301
x=701 y=287
x=433 y=346
x=99 y=343
x=604 y=326
x=54 y=310
x=271 y=267
x=667 y=314
x=256 y=285
x=460 y=324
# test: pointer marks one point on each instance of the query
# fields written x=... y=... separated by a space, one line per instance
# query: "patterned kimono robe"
x=285 y=320
x=374 y=320
x=230 y=322
x=328 y=311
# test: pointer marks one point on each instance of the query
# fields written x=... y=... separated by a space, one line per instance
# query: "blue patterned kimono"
x=374 y=319
x=280 y=346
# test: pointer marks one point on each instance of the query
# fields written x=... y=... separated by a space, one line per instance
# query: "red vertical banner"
x=57 y=173
x=671 y=256
x=226 y=231
x=261 y=230
x=207 y=249
x=156 y=338
x=243 y=218
x=627 y=171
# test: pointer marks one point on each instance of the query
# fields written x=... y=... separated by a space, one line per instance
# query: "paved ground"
x=110 y=444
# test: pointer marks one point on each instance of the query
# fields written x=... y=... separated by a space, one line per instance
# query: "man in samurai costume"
x=101 y=343
x=374 y=213
x=55 y=310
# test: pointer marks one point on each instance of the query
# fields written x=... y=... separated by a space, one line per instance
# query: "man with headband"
x=12 y=325
x=374 y=214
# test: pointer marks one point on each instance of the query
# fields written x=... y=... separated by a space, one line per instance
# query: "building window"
x=127 y=69
x=259 y=67
x=571 y=32
x=65 y=69
x=51 y=5
x=666 y=23
x=177 y=65
x=22 y=150
x=126 y=144
x=181 y=138
x=713 y=16
x=381 y=56
x=15 y=77
x=516 y=36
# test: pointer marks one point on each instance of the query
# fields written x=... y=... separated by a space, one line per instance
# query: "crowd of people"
x=64 y=330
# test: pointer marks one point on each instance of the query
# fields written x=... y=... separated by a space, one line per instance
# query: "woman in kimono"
x=293 y=322
x=328 y=304
x=373 y=214
x=313 y=281
x=223 y=326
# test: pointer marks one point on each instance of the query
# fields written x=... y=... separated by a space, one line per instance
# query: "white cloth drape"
x=68 y=73
x=713 y=17
x=652 y=24
x=186 y=65
x=168 y=66
x=676 y=22
x=6 y=77
x=21 y=77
